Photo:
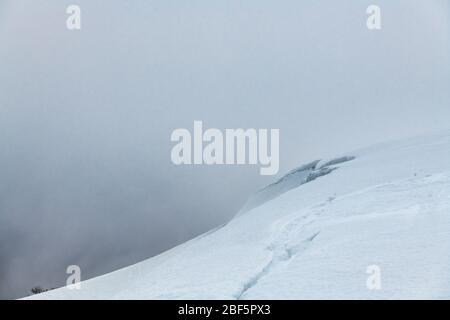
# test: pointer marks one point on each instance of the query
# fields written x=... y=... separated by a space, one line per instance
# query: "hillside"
x=313 y=234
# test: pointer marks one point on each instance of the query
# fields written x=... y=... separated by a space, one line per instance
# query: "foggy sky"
x=86 y=116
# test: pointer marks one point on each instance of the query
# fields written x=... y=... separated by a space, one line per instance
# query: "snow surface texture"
x=313 y=234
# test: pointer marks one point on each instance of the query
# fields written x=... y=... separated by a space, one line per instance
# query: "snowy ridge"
x=295 y=178
x=313 y=234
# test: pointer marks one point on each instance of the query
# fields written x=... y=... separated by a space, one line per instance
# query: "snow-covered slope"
x=313 y=234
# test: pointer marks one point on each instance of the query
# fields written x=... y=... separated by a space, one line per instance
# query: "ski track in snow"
x=281 y=252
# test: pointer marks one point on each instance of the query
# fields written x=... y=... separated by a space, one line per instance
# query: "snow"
x=313 y=234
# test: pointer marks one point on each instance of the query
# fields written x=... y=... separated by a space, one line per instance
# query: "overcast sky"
x=86 y=116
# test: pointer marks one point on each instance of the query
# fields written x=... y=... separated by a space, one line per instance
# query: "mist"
x=86 y=116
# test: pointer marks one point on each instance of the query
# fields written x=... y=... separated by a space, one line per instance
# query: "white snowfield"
x=313 y=235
